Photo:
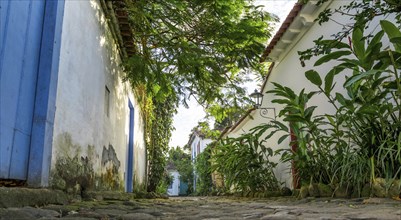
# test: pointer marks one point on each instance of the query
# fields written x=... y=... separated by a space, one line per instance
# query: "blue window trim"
x=45 y=99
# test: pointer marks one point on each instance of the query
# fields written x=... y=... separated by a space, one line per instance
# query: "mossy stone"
x=395 y=189
x=379 y=188
x=313 y=190
x=285 y=191
x=366 y=190
x=342 y=191
x=304 y=192
x=296 y=193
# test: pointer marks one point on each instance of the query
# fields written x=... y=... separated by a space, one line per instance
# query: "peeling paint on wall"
x=109 y=156
x=74 y=172
x=110 y=180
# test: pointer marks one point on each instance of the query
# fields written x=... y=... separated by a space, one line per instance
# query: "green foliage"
x=244 y=163
x=164 y=183
x=158 y=128
x=204 y=130
x=204 y=184
x=195 y=48
x=361 y=14
x=227 y=111
x=361 y=141
x=181 y=160
x=312 y=157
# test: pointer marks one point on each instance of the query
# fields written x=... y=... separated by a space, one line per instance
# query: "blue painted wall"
x=29 y=52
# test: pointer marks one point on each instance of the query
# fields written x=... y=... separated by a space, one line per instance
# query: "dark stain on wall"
x=72 y=173
x=109 y=155
x=75 y=173
x=110 y=180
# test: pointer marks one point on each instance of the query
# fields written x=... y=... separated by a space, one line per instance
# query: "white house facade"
x=197 y=142
x=83 y=124
x=174 y=188
x=297 y=33
x=97 y=113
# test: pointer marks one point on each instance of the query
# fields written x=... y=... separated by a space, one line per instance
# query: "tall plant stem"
x=397 y=79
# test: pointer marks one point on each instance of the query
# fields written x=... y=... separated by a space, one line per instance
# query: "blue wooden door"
x=183 y=189
x=21 y=24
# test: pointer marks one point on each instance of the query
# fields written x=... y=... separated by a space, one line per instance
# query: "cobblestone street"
x=214 y=208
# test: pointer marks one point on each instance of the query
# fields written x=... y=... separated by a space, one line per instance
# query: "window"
x=107 y=101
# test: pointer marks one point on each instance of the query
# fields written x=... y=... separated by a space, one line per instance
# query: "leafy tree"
x=204 y=130
x=195 y=48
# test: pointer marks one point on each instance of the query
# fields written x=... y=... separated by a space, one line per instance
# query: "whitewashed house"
x=197 y=143
x=67 y=116
x=297 y=33
x=174 y=188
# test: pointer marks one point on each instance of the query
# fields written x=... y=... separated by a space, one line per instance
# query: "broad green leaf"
x=314 y=77
x=328 y=80
x=332 y=56
x=357 y=77
x=367 y=109
x=396 y=40
x=331 y=120
x=309 y=111
x=392 y=32
x=282 y=126
x=270 y=151
x=340 y=98
x=358 y=43
x=390 y=85
x=282 y=138
x=375 y=40
x=282 y=101
x=334 y=44
x=294 y=118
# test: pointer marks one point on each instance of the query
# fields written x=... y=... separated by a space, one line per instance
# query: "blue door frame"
x=26 y=131
x=130 y=164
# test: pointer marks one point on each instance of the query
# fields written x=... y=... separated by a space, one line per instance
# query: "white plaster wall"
x=175 y=189
x=89 y=62
x=203 y=145
x=289 y=72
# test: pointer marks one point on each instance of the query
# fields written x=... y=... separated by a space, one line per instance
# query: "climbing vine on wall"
x=157 y=134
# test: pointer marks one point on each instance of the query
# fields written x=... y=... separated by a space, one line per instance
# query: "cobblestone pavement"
x=214 y=208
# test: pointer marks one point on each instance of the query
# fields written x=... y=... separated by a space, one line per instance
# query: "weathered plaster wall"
x=94 y=130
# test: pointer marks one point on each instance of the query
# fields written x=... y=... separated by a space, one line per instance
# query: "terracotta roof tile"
x=283 y=28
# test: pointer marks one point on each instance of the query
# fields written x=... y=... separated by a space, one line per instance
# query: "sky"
x=188 y=118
